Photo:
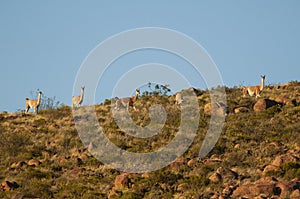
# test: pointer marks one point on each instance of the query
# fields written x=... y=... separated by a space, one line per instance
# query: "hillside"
x=257 y=154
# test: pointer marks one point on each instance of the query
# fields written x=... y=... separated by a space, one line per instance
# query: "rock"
x=183 y=187
x=122 y=181
x=268 y=187
x=215 y=109
x=215 y=177
x=33 y=162
x=263 y=104
x=227 y=191
x=241 y=110
x=227 y=174
x=215 y=196
x=7 y=185
x=192 y=162
x=282 y=190
x=178 y=163
x=253 y=190
x=283 y=159
x=295 y=194
x=270 y=168
x=284 y=100
x=17 y=165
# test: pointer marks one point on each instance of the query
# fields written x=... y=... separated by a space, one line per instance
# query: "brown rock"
x=227 y=191
x=263 y=104
x=215 y=177
x=270 y=168
x=284 y=100
x=283 y=159
x=122 y=181
x=192 y=162
x=241 y=110
x=183 y=187
x=33 y=162
x=295 y=194
x=17 y=165
x=7 y=185
x=266 y=180
x=215 y=109
x=178 y=162
x=253 y=190
x=227 y=174
x=282 y=189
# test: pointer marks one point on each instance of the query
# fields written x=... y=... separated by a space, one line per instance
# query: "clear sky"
x=43 y=43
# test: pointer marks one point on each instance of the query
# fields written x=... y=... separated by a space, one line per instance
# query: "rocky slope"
x=257 y=154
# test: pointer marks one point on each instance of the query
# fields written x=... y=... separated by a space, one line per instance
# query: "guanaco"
x=34 y=104
x=178 y=99
x=77 y=100
x=251 y=90
x=128 y=101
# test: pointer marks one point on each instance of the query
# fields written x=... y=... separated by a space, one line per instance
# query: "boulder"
x=7 y=185
x=33 y=162
x=269 y=187
x=284 y=158
x=284 y=100
x=215 y=109
x=215 y=177
x=17 y=165
x=263 y=104
x=253 y=190
x=241 y=110
x=122 y=181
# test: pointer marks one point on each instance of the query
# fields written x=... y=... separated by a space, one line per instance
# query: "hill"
x=257 y=154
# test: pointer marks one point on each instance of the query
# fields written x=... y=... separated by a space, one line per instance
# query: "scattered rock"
x=215 y=177
x=241 y=110
x=17 y=165
x=284 y=100
x=295 y=194
x=215 y=109
x=268 y=187
x=227 y=191
x=182 y=187
x=253 y=190
x=283 y=159
x=178 y=162
x=192 y=162
x=122 y=181
x=7 y=185
x=263 y=104
x=270 y=168
x=227 y=174
x=33 y=162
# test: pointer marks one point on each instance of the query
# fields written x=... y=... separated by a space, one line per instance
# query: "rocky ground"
x=256 y=156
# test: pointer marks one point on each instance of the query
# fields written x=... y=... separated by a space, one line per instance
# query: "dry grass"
x=248 y=143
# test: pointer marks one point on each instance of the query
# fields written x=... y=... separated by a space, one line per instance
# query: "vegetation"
x=250 y=141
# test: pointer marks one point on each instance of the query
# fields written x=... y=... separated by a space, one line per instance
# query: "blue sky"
x=43 y=43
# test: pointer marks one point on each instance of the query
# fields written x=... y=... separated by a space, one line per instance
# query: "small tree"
x=157 y=90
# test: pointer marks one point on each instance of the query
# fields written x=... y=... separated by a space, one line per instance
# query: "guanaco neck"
x=135 y=97
x=262 y=83
x=39 y=99
x=81 y=94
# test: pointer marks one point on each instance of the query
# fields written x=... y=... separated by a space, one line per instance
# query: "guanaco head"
x=263 y=76
x=82 y=87
x=137 y=91
x=40 y=92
